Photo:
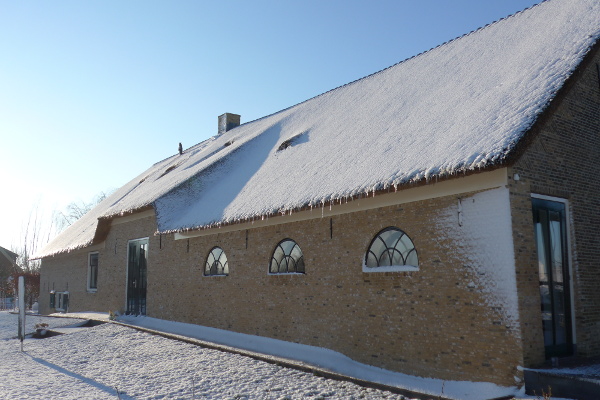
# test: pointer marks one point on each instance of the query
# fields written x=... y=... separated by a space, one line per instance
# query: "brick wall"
x=429 y=323
x=563 y=161
x=69 y=271
x=432 y=322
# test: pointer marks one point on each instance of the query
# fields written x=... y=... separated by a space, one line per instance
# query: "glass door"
x=136 y=276
x=549 y=219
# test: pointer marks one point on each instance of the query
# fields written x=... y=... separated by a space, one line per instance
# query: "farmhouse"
x=437 y=218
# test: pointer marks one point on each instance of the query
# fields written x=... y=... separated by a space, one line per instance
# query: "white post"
x=21 y=310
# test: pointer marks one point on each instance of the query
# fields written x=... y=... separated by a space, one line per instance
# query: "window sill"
x=216 y=276
x=393 y=268
x=92 y=290
x=286 y=273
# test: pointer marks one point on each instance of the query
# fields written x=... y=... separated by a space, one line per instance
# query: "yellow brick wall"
x=427 y=323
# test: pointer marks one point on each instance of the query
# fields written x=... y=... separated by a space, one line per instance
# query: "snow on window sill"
x=392 y=268
x=215 y=276
x=285 y=273
x=92 y=290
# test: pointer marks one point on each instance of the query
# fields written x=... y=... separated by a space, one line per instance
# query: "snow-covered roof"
x=462 y=106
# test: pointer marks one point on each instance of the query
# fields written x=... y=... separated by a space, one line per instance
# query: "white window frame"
x=226 y=273
x=89 y=272
x=389 y=268
x=288 y=272
x=59 y=301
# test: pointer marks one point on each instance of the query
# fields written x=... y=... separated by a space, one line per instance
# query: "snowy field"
x=111 y=361
x=96 y=362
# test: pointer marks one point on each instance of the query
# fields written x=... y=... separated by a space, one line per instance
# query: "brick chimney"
x=228 y=121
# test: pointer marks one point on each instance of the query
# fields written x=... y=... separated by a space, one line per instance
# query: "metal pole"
x=21 y=310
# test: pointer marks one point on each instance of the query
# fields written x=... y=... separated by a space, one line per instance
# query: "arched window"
x=216 y=263
x=287 y=258
x=392 y=248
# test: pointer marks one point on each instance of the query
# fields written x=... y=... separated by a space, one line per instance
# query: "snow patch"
x=327 y=359
x=480 y=228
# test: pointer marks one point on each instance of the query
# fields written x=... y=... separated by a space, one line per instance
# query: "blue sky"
x=93 y=93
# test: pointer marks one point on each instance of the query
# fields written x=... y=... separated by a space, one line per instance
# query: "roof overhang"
x=449 y=187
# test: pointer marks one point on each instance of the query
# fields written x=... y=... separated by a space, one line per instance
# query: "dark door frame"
x=555 y=286
x=136 y=277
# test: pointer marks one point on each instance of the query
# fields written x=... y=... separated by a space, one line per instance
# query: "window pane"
x=209 y=262
x=371 y=260
x=378 y=247
x=93 y=277
x=274 y=268
x=405 y=245
x=386 y=259
x=300 y=265
x=226 y=268
x=541 y=246
x=287 y=246
x=216 y=252
x=556 y=246
x=390 y=237
x=278 y=254
x=412 y=258
x=93 y=271
x=283 y=265
x=296 y=253
x=397 y=258
x=222 y=257
x=218 y=268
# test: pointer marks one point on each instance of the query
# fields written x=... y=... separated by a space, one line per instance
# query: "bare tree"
x=75 y=210
x=35 y=233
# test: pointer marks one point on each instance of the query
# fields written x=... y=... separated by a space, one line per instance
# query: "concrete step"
x=562 y=384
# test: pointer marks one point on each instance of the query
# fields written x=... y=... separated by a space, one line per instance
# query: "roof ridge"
x=399 y=62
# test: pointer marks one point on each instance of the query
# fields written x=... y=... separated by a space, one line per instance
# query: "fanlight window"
x=287 y=258
x=216 y=263
x=390 y=248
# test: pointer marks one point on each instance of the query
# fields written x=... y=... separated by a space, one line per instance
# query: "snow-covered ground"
x=99 y=362
x=96 y=362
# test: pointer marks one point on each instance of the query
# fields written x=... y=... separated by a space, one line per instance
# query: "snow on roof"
x=459 y=107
